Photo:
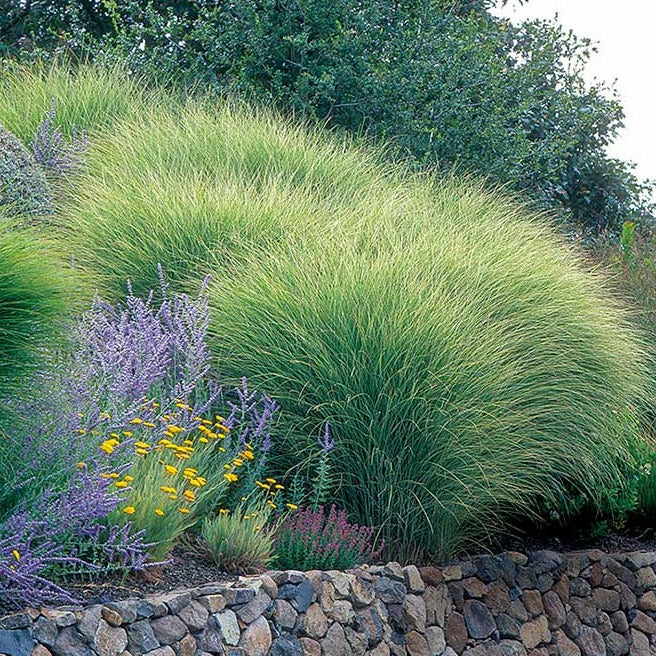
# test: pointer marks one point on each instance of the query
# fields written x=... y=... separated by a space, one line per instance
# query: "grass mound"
x=34 y=298
x=468 y=374
x=196 y=188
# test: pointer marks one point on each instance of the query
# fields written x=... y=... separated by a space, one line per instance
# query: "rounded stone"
x=335 y=642
x=591 y=642
x=257 y=638
x=479 y=620
x=314 y=622
x=110 y=640
x=535 y=632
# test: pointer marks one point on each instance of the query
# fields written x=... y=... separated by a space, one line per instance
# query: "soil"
x=184 y=569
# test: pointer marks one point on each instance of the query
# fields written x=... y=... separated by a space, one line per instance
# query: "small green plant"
x=238 y=540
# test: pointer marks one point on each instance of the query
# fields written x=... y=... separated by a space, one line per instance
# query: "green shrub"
x=23 y=186
x=467 y=373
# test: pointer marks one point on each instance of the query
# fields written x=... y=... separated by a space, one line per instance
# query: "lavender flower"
x=50 y=149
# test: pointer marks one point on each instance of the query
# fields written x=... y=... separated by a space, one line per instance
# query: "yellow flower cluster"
x=176 y=443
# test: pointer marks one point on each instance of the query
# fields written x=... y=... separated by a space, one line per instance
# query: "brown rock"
x=474 y=587
x=643 y=623
x=327 y=596
x=516 y=557
x=110 y=640
x=256 y=639
x=284 y=614
x=413 y=580
x=415 y=613
x=594 y=574
x=607 y=600
x=431 y=576
x=363 y=592
x=379 y=650
x=533 y=602
x=452 y=573
x=335 y=642
x=603 y=624
x=168 y=629
x=497 y=598
x=647 y=601
x=455 y=631
x=314 y=623
x=270 y=586
x=369 y=622
x=566 y=647
x=40 y=650
x=591 y=642
x=437 y=604
x=535 y=632
x=639 y=644
x=638 y=559
x=310 y=647
x=213 y=603
x=161 y=651
x=416 y=644
x=585 y=608
x=561 y=588
x=186 y=646
x=645 y=577
x=342 y=612
x=554 y=609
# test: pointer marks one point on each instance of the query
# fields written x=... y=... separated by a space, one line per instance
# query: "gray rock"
x=415 y=613
x=342 y=612
x=45 y=631
x=572 y=625
x=210 y=640
x=314 y=623
x=226 y=622
x=254 y=608
x=161 y=651
x=479 y=620
x=238 y=596
x=16 y=621
x=61 y=618
x=645 y=577
x=579 y=587
x=286 y=646
x=508 y=626
x=110 y=640
x=591 y=642
x=16 y=642
x=213 y=603
x=369 y=623
x=141 y=637
x=512 y=648
x=363 y=592
x=126 y=611
x=284 y=615
x=357 y=641
x=627 y=598
x=639 y=644
x=176 y=601
x=70 y=643
x=389 y=591
x=585 y=608
x=394 y=571
x=640 y=559
x=616 y=644
x=619 y=622
x=643 y=622
x=436 y=640
x=300 y=596
x=168 y=629
x=194 y=615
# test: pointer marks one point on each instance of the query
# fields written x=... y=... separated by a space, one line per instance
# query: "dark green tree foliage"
x=443 y=81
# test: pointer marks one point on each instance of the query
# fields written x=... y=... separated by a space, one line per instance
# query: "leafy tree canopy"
x=444 y=82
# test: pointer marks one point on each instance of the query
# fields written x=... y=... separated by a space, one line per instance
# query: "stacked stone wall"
x=542 y=604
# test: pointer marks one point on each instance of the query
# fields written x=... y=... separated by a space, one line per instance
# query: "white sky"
x=626 y=43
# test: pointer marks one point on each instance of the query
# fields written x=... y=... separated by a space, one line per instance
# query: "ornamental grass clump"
x=469 y=367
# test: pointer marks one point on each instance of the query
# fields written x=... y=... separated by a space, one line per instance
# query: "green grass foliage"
x=469 y=367
x=87 y=97
x=35 y=295
x=466 y=373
